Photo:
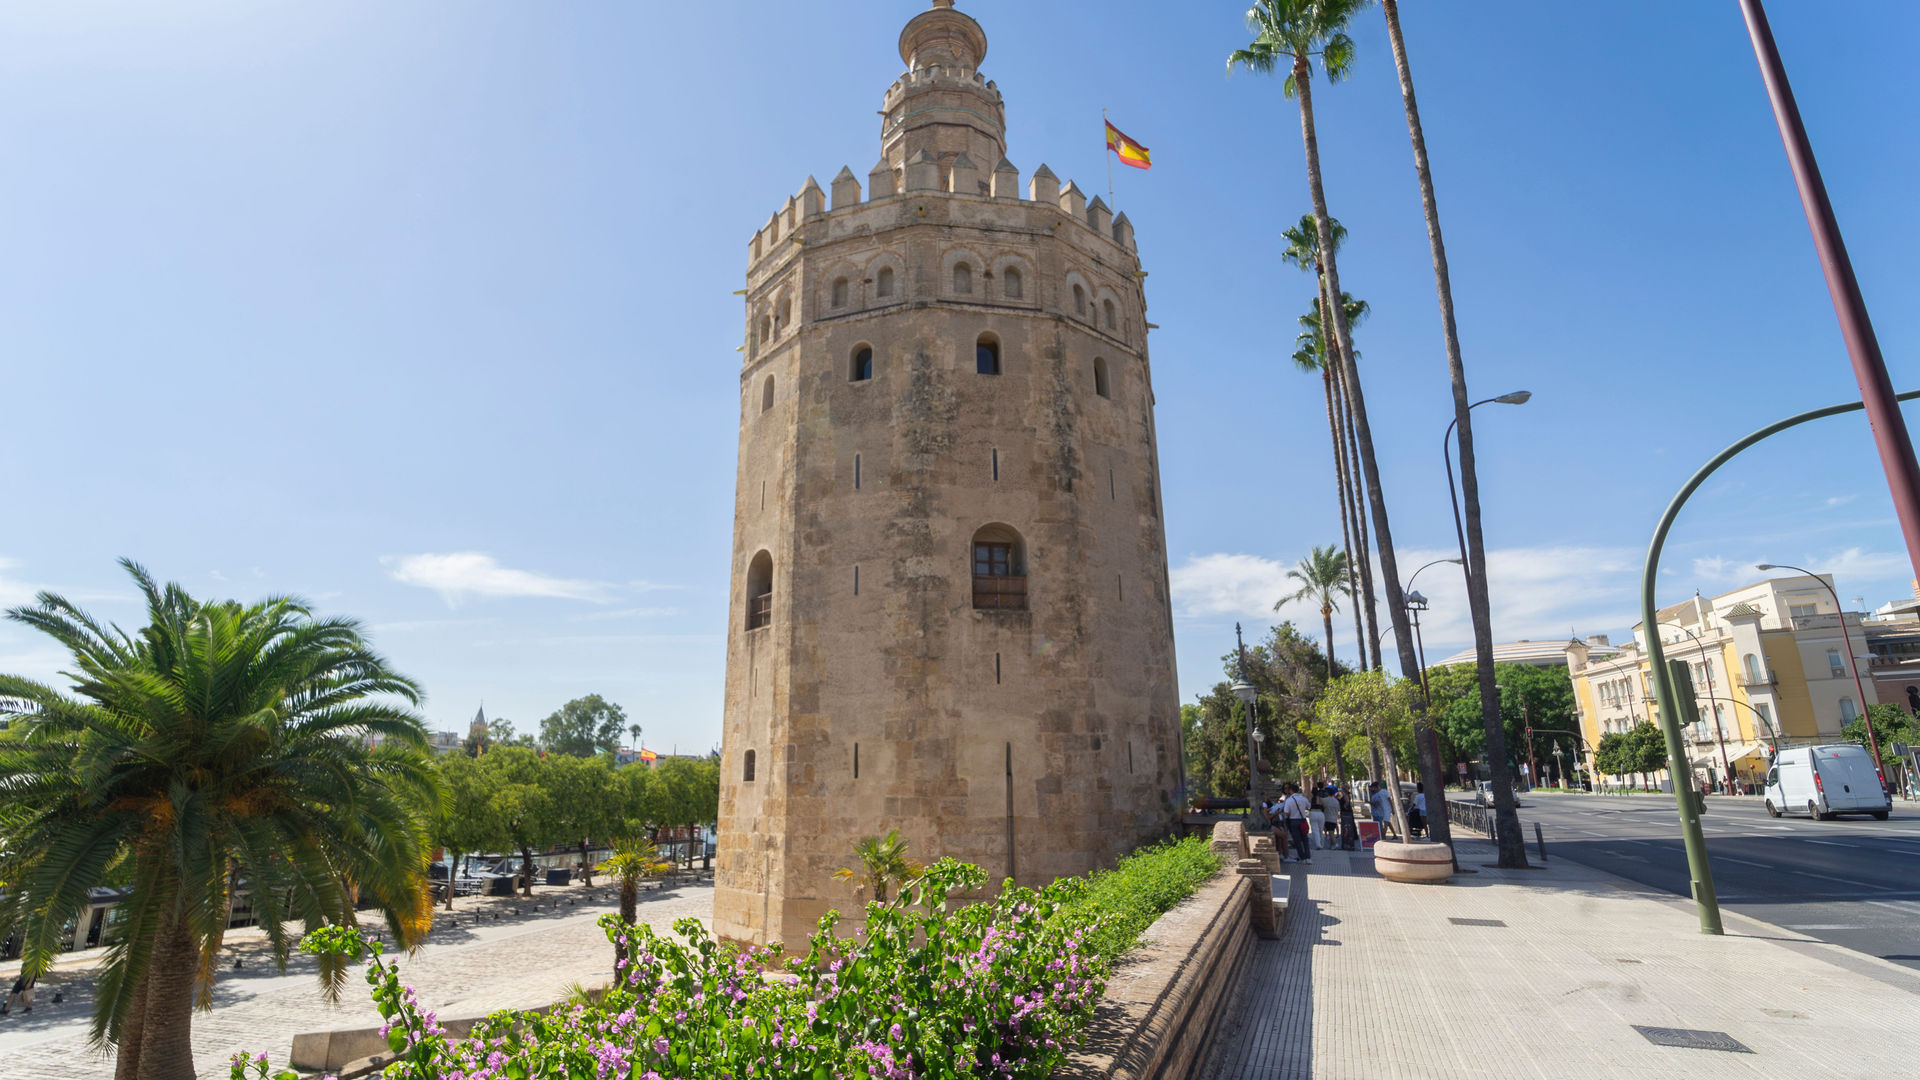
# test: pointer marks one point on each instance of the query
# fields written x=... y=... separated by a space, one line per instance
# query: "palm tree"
x=1303 y=251
x=632 y=861
x=1323 y=580
x=221 y=745
x=634 y=730
x=1297 y=31
x=883 y=864
x=1513 y=848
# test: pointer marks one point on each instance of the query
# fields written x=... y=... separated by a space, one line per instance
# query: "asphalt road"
x=1854 y=882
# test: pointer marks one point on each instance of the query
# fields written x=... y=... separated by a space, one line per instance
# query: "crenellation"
x=880 y=180
x=1073 y=201
x=1006 y=180
x=923 y=173
x=964 y=176
x=846 y=189
x=812 y=199
x=1044 y=187
x=1099 y=218
x=1123 y=233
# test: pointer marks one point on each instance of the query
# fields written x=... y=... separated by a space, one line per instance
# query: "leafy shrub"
x=927 y=991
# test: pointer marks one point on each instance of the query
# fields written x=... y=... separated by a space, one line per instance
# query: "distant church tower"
x=949 y=610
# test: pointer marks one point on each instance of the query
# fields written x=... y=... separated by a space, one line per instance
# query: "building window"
x=786 y=313
x=760 y=591
x=839 y=292
x=883 y=283
x=986 y=355
x=1752 y=664
x=999 y=569
x=1079 y=300
x=766 y=328
x=766 y=394
x=1010 y=283
x=862 y=367
x=1100 y=376
x=746 y=770
x=1801 y=611
x=1846 y=710
x=1834 y=665
x=962 y=278
x=1111 y=321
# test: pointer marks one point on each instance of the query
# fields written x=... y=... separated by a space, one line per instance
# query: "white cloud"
x=461 y=574
x=1223 y=584
x=1842 y=500
x=627 y=613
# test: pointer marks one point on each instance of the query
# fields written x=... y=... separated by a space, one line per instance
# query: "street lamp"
x=1866 y=712
x=1518 y=397
x=1416 y=604
x=1246 y=692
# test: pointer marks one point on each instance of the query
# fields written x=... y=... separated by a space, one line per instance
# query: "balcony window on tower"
x=862 y=368
x=1111 y=321
x=999 y=569
x=986 y=355
x=1079 y=300
x=883 y=282
x=962 y=278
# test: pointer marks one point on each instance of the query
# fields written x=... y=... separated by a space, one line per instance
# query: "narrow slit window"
x=856 y=581
x=766 y=394
x=1100 y=376
x=1129 y=755
x=996 y=464
x=856 y=761
x=1112 y=491
x=986 y=356
x=1112 y=322
x=1079 y=300
x=996 y=669
x=1120 y=585
x=856 y=472
x=746 y=773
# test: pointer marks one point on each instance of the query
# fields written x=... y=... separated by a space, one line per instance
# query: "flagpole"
x=1109 y=156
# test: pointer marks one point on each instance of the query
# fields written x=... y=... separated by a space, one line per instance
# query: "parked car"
x=1483 y=794
x=1822 y=781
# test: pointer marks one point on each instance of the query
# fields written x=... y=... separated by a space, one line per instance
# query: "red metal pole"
x=1869 y=369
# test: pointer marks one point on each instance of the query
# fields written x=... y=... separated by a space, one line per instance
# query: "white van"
x=1822 y=781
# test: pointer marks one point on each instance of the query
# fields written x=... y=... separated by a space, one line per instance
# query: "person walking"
x=22 y=995
x=1417 y=818
x=1349 y=832
x=1294 y=809
x=1382 y=808
x=1316 y=819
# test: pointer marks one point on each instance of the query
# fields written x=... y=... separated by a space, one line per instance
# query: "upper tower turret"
x=943 y=105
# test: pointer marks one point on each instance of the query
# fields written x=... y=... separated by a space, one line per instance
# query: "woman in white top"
x=1316 y=823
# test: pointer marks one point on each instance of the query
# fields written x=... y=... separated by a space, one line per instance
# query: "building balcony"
x=1765 y=682
x=1825 y=622
x=997 y=592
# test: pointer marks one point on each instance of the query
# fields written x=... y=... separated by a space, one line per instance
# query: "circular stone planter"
x=1422 y=861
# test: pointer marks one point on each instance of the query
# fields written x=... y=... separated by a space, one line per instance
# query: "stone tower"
x=949 y=606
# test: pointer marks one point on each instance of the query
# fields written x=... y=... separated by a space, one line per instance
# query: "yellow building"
x=1769 y=663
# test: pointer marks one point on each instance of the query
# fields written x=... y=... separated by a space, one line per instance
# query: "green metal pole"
x=1696 y=841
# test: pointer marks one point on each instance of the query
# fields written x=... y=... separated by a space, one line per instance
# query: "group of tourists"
x=1320 y=816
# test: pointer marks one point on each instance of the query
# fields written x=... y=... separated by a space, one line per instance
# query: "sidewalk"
x=1374 y=979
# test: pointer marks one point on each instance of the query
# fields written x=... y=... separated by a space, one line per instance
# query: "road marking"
x=1743 y=862
x=1832 y=843
x=1820 y=926
x=1903 y=906
x=1841 y=880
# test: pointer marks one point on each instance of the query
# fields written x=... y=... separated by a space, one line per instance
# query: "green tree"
x=586 y=803
x=1295 y=32
x=522 y=790
x=584 y=727
x=1323 y=580
x=688 y=794
x=633 y=861
x=883 y=863
x=1613 y=755
x=469 y=820
x=1648 y=748
x=221 y=742
x=1528 y=695
x=1378 y=707
x=1891 y=724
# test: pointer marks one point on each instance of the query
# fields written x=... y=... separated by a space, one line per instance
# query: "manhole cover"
x=1691 y=1040
x=1475 y=922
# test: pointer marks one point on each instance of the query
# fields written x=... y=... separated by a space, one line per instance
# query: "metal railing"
x=1471 y=816
x=1000 y=592
x=760 y=611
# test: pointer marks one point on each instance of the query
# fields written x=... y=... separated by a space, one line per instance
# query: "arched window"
x=883 y=282
x=766 y=394
x=766 y=328
x=862 y=368
x=1100 y=376
x=1752 y=665
x=786 y=312
x=839 y=292
x=962 y=278
x=746 y=769
x=1079 y=300
x=760 y=591
x=1111 y=321
x=1010 y=283
x=986 y=355
x=999 y=569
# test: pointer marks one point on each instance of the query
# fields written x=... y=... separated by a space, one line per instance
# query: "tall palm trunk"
x=166 y=1044
x=1356 y=490
x=1346 y=519
x=126 y=1065
x=1513 y=848
x=1363 y=432
x=453 y=871
x=629 y=909
x=526 y=880
x=1326 y=616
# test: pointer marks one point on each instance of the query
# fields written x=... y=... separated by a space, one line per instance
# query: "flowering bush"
x=929 y=990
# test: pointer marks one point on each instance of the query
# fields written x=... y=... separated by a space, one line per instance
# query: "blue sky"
x=425 y=311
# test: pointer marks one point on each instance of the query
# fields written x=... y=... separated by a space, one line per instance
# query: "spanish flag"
x=1131 y=153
